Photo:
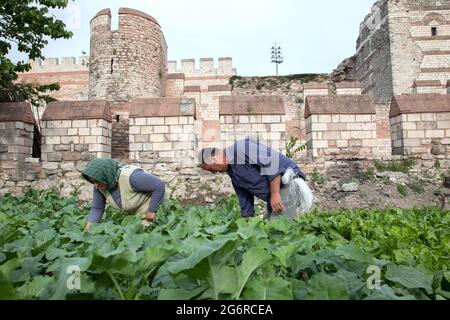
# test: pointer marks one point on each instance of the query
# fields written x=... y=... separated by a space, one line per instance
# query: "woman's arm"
x=144 y=182
x=97 y=209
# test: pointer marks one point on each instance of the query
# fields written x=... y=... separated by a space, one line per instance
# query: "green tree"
x=27 y=24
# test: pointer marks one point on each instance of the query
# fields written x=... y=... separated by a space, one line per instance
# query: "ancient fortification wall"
x=401 y=42
x=128 y=62
x=145 y=110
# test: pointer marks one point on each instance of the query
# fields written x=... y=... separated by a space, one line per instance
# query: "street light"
x=277 y=57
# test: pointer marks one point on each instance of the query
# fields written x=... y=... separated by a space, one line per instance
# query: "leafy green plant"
x=293 y=146
x=211 y=253
x=437 y=164
x=403 y=165
x=316 y=178
x=368 y=175
x=417 y=185
x=401 y=188
x=29 y=25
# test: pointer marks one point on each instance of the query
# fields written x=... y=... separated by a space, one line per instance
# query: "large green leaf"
x=351 y=252
x=204 y=250
x=251 y=260
x=179 y=294
x=7 y=291
x=271 y=288
x=387 y=293
x=325 y=287
x=34 y=288
x=409 y=277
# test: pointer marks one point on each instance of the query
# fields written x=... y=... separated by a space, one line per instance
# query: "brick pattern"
x=68 y=144
x=74 y=84
x=162 y=140
x=423 y=135
x=269 y=128
x=16 y=145
x=341 y=136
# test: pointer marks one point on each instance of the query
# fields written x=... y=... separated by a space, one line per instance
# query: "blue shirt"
x=251 y=167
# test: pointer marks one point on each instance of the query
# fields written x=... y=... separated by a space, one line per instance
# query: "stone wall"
x=420 y=127
x=400 y=42
x=162 y=131
x=373 y=54
x=130 y=62
x=73 y=133
x=262 y=117
x=17 y=126
x=341 y=126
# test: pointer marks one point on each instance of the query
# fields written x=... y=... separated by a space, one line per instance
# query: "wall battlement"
x=64 y=64
x=205 y=67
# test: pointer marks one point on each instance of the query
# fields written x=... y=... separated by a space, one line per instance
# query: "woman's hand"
x=88 y=226
x=151 y=216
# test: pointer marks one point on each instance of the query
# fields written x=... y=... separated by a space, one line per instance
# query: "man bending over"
x=258 y=170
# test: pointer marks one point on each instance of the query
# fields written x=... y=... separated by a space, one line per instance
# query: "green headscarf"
x=103 y=170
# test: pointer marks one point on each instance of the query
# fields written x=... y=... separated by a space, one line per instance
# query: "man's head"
x=213 y=159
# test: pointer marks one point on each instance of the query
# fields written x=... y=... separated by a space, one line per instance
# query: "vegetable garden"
x=212 y=253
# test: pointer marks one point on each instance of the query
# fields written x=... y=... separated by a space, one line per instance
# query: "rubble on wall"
x=345 y=71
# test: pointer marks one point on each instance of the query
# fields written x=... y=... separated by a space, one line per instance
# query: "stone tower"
x=403 y=48
x=130 y=62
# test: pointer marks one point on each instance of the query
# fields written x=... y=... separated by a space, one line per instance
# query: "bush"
x=403 y=165
x=417 y=185
x=316 y=178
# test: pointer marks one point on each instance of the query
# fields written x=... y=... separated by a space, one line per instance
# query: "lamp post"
x=277 y=57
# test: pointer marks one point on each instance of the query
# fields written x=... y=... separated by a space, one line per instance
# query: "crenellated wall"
x=205 y=67
x=71 y=74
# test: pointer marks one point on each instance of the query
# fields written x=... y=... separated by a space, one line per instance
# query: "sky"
x=315 y=35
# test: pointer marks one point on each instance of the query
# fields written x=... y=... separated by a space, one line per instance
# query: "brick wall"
x=162 y=131
x=162 y=139
x=17 y=125
x=262 y=117
x=420 y=127
x=396 y=46
x=340 y=127
x=72 y=76
x=74 y=133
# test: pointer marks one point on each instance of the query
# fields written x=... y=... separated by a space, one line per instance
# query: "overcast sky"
x=315 y=35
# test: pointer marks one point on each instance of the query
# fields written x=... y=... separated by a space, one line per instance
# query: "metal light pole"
x=277 y=57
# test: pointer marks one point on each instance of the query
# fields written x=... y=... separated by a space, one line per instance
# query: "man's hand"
x=276 y=203
x=151 y=216
x=275 y=197
x=88 y=226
